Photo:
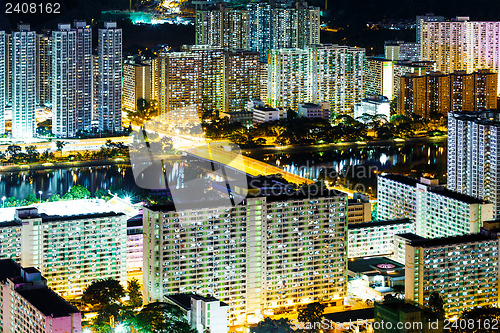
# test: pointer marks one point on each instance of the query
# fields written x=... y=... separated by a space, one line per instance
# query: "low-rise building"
x=243 y=117
x=371 y=107
x=400 y=316
x=373 y=239
x=463 y=270
x=28 y=305
x=202 y=313
x=264 y=114
x=312 y=110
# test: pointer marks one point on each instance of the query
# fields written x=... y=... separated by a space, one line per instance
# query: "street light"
x=3 y=201
x=40 y=193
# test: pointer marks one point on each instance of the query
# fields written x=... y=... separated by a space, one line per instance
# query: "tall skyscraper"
x=44 y=68
x=242 y=78
x=23 y=82
x=379 y=76
x=110 y=78
x=461 y=45
x=3 y=100
x=64 y=76
x=429 y=17
x=136 y=83
x=180 y=91
x=473 y=160
x=84 y=75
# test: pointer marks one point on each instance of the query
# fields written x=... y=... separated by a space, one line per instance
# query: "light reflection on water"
x=303 y=163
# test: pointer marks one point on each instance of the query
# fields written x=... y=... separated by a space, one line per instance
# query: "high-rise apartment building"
x=378 y=77
x=212 y=76
x=319 y=73
x=429 y=17
x=44 y=68
x=3 y=93
x=437 y=211
x=110 y=78
x=23 y=82
x=400 y=68
x=84 y=81
x=242 y=79
x=70 y=250
x=8 y=68
x=180 y=92
x=461 y=45
x=64 y=76
x=401 y=51
x=441 y=93
x=463 y=270
x=376 y=239
x=258 y=27
x=266 y=254
x=137 y=83
x=473 y=161
x=28 y=305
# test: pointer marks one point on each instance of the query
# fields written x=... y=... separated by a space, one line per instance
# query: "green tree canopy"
x=159 y=317
x=312 y=313
x=436 y=304
x=134 y=293
x=79 y=192
x=269 y=325
x=102 y=293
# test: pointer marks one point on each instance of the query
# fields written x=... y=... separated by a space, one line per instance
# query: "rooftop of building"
x=411 y=237
x=351 y=316
x=264 y=108
x=437 y=189
x=135 y=221
x=56 y=218
x=446 y=241
x=9 y=269
x=399 y=306
x=48 y=302
x=369 y=265
x=379 y=223
x=184 y=300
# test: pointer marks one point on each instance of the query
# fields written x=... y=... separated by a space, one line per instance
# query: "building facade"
x=399 y=50
x=376 y=239
x=3 y=81
x=266 y=254
x=110 y=78
x=44 y=68
x=441 y=93
x=23 y=82
x=71 y=251
x=242 y=79
x=473 y=167
x=373 y=107
x=84 y=82
x=379 y=76
x=437 y=211
x=64 y=77
x=137 y=84
x=463 y=270
x=28 y=305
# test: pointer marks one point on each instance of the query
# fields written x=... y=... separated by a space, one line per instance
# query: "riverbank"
x=351 y=144
x=64 y=165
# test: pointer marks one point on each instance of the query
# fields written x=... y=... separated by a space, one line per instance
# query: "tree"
x=55 y=197
x=486 y=315
x=60 y=145
x=79 y=192
x=162 y=317
x=273 y=326
x=102 y=194
x=102 y=293
x=13 y=150
x=134 y=293
x=29 y=199
x=312 y=313
x=436 y=304
x=399 y=291
x=32 y=152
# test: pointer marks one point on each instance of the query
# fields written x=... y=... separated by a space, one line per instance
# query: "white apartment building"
x=462 y=269
x=437 y=211
x=28 y=305
x=266 y=254
x=64 y=76
x=473 y=161
x=109 y=53
x=371 y=107
x=23 y=82
x=70 y=250
x=84 y=81
x=376 y=239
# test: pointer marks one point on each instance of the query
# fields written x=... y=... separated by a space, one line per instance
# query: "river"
x=306 y=162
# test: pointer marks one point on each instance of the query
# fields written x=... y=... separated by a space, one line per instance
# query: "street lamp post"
x=3 y=201
x=40 y=193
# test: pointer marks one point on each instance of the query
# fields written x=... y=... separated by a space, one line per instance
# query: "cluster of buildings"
x=60 y=70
